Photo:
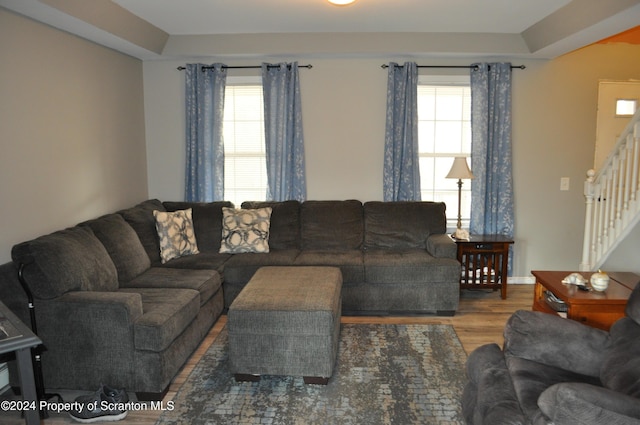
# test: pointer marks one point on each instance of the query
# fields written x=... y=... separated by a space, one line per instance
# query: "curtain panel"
x=492 y=188
x=401 y=174
x=204 y=101
x=284 y=141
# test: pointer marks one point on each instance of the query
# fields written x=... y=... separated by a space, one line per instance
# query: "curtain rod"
x=454 y=66
x=181 y=68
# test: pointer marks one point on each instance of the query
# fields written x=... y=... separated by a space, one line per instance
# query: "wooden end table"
x=596 y=309
x=485 y=260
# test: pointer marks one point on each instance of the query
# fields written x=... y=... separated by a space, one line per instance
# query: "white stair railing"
x=612 y=198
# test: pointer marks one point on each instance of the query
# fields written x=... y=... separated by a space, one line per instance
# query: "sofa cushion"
x=167 y=312
x=122 y=244
x=284 y=232
x=202 y=261
x=578 y=403
x=402 y=225
x=349 y=262
x=68 y=260
x=140 y=217
x=405 y=266
x=206 y=282
x=245 y=230
x=207 y=221
x=533 y=335
x=331 y=225
x=240 y=268
x=621 y=367
x=175 y=233
x=530 y=379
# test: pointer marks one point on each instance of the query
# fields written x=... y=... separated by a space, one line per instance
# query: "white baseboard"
x=521 y=280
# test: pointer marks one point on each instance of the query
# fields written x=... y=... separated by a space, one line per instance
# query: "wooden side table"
x=485 y=260
x=596 y=309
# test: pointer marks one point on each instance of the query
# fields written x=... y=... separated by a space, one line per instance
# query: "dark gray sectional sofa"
x=109 y=311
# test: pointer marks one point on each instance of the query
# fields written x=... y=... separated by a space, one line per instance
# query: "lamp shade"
x=460 y=169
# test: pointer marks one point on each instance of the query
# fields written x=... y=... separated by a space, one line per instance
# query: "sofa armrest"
x=577 y=403
x=125 y=305
x=87 y=335
x=83 y=316
x=489 y=396
x=554 y=341
x=441 y=245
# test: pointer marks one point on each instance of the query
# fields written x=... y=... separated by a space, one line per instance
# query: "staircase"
x=612 y=198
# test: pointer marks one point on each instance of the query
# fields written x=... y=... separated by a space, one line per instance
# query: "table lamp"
x=460 y=170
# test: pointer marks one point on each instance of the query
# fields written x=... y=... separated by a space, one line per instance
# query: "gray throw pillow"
x=176 y=234
x=245 y=230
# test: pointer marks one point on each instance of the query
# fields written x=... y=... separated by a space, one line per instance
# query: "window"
x=245 y=168
x=626 y=107
x=444 y=132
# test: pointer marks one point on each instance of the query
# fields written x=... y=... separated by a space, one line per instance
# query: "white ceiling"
x=286 y=16
x=166 y=29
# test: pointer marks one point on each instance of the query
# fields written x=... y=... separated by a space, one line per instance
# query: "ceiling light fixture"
x=341 y=2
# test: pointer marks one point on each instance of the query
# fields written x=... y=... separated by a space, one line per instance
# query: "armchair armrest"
x=441 y=245
x=555 y=341
x=579 y=404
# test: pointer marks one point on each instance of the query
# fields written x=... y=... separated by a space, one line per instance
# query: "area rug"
x=385 y=374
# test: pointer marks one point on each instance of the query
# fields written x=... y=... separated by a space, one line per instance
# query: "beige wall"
x=344 y=112
x=73 y=118
x=72 y=140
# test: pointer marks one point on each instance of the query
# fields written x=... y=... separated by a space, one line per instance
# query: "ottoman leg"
x=245 y=377
x=315 y=380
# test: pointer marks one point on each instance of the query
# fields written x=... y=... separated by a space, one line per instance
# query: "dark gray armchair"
x=557 y=371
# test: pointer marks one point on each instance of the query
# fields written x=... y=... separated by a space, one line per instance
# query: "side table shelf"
x=485 y=261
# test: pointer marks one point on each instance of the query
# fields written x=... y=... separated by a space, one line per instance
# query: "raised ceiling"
x=156 y=29
x=195 y=17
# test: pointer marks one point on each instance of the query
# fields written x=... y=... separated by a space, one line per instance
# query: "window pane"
x=426 y=136
x=449 y=105
x=448 y=137
x=426 y=103
x=626 y=107
x=427 y=177
x=245 y=163
x=444 y=132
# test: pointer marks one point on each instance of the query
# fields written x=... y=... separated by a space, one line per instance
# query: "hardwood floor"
x=479 y=320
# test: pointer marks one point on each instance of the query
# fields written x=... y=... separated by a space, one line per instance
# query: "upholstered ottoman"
x=286 y=321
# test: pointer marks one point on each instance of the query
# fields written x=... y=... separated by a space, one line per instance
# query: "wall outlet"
x=564 y=183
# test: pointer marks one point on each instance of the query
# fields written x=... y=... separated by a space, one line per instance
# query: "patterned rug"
x=385 y=374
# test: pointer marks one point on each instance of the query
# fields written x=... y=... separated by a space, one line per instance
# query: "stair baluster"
x=611 y=198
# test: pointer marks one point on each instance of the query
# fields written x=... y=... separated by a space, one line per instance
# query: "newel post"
x=586 y=244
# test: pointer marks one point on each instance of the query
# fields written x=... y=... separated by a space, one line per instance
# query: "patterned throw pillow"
x=245 y=230
x=176 y=234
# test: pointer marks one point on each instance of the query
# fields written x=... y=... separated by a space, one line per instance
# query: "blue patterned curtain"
x=492 y=188
x=401 y=179
x=284 y=142
x=204 y=95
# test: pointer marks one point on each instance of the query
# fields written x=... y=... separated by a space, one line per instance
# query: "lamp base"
x=461 y=234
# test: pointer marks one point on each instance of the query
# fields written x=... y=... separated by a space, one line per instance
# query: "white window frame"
x=442 y=189
x=233 y=191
